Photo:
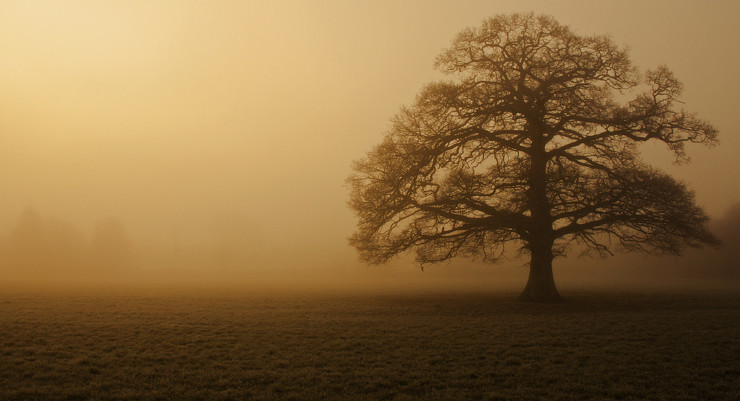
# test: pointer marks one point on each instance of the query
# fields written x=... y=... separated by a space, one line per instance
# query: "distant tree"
x=533 y=144
x=110 y=247
x=724 y=261
x=27 y=243
x=41 y=245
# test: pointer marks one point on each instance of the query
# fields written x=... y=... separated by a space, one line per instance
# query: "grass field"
x=228 y=345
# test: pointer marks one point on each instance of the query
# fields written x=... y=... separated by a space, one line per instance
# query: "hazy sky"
x=239 y=119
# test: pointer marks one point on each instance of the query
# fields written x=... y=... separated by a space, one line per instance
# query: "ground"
x=229 y=345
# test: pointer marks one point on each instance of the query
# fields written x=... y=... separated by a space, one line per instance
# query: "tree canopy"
x=531 y=145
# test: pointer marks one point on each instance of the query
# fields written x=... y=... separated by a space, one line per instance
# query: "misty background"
x=209 y=141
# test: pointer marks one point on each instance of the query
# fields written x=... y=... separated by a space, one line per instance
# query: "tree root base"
x=551 y=296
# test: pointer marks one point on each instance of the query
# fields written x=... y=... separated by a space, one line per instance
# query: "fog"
x=208 y=142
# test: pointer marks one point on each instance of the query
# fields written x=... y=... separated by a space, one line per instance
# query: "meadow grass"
x=211 y=345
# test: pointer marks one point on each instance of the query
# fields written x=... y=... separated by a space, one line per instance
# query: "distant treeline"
x=45 y=245
x=40 y=246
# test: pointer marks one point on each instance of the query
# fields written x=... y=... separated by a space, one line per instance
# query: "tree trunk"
x=541 y=284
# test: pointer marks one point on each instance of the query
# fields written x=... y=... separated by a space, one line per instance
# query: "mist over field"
x=188 y=141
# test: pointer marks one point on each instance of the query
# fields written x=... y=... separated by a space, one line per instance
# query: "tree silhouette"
x=534 y=146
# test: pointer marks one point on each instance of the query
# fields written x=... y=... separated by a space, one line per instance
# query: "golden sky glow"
x=237 y=121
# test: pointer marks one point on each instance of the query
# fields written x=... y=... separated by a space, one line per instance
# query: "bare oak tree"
x=533 y=145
